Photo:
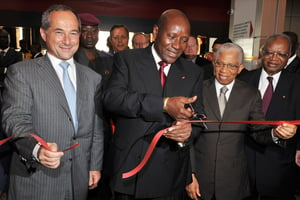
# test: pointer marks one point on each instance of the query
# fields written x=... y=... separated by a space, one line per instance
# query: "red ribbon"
x=161 y=132
x=41 y=141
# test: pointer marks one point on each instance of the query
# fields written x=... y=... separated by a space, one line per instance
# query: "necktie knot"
x=270 y=79
x=224 y=89
x=162 y=64
x=64 y=65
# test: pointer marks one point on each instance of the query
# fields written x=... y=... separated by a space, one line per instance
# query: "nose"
x=66 y=38
x=176 y=43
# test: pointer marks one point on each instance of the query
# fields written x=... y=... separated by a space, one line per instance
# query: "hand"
x=175 y=107
x=297 y=158
x=179 y=132
x=48 y=158
x=285 y=131
x=94 y=179
x=193 y=189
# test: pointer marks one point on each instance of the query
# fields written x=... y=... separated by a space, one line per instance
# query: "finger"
x=192 y=99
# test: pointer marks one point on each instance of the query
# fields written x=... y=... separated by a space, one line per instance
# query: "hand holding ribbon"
x=162 y=132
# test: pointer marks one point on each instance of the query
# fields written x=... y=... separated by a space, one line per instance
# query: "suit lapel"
x=232 y=101
x=147 y=71
x=47 y=72
x=82 y=88
x=211 y=98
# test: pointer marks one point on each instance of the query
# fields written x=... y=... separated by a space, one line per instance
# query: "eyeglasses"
x=229 y=65
x=280 y=55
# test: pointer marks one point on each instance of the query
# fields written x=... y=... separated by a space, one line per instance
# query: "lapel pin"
x=183 y=77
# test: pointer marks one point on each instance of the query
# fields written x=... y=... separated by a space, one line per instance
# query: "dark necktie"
x=70 y=93
x=268 y=95
x=222 y=99
x=162 y=74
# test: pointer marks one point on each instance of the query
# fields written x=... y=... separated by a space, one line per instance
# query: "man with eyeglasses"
x=273 y=169
x=218 y=160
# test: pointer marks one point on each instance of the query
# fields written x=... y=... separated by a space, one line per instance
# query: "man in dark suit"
x=87 y=54
x=219 y=160
x=37 y=99
x=143 y=104
x=273 y=169
x=100 y=62
x=293 y=64
x=8 y=55
x=191 y=54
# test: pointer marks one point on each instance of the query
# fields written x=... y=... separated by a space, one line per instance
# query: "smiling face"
x=227 y=66
x=275 y=55
x=171 y=36
x=62 y=37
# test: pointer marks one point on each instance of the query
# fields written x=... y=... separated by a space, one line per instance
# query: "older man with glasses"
x=273 y=169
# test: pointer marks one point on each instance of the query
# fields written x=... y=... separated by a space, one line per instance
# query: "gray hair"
x=274 y=37
x=230 y=46
x=46 y=23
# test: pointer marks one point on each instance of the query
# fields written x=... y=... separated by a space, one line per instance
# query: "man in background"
x=36 y=49
x=140 y=40
x=100 y=62
x=191 y=54
x=87 y=54
x=8 y=55
x=293 y=64
x=119 y=37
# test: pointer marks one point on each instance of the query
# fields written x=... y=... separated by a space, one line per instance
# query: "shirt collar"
x=219 y=85
x=157 y=58
x=55 y=61
x=290 y=60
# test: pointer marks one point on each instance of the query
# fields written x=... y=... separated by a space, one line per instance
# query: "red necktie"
x=268 y=95
x=162 y=74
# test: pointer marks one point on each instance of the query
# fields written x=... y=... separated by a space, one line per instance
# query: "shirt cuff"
x=35 y=152
x=274 y=138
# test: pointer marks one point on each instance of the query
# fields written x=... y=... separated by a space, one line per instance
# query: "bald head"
x=171 y=34
x=172 y=14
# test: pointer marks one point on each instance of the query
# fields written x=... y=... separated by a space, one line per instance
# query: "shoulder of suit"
x=246 y=86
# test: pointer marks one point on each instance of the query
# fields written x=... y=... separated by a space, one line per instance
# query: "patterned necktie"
x=70 y=93
x=222 y=99
x=268 y=95
x=162 y=74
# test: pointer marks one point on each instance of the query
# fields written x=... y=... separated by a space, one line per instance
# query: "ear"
x=155 y=31
x=241 y=67
x=43 y=34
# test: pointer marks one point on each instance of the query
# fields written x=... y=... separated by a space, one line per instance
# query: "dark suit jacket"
x=103 y=63
x=134 y=94
x=219 y=160
x=34 y=102
x=10 y=58
x=272 y=167
x=294 y=66
x=207 y=67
